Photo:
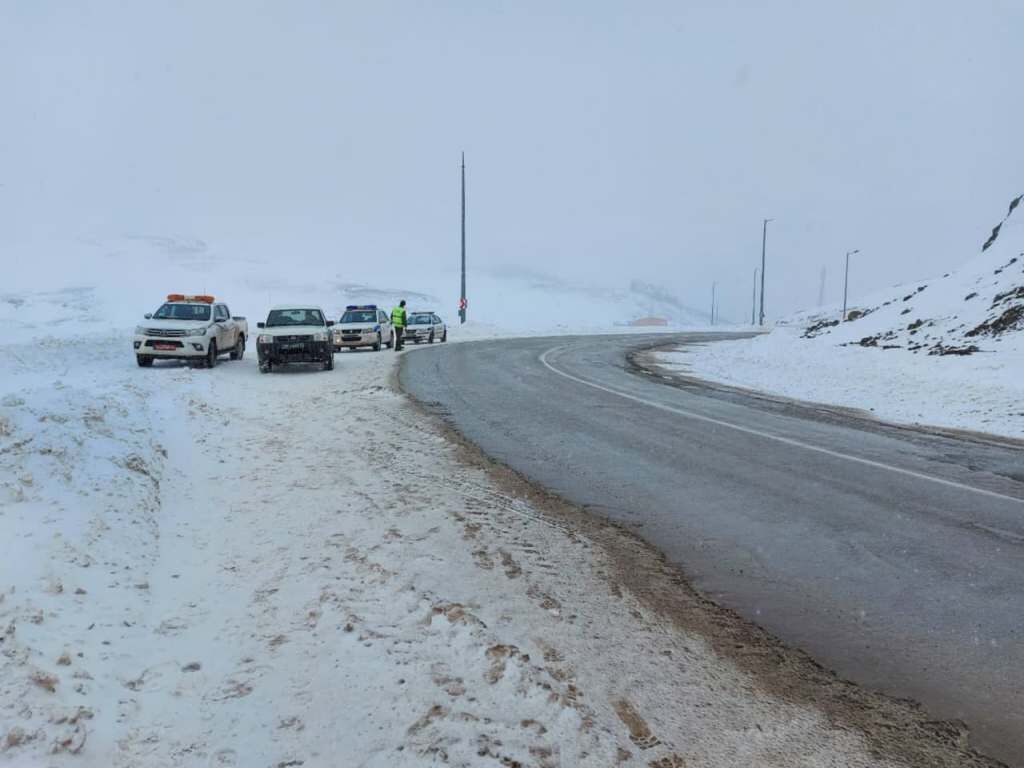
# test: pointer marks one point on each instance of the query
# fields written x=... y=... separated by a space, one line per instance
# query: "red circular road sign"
x=463 y=303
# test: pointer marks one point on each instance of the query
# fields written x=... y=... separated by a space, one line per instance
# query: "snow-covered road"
x=215 y=568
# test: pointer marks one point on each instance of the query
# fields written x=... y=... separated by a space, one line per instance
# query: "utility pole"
x=463 y=303
x=846 y=281
x=764 y=240
x=821 y=287
x=753 y=301
x=713 y=285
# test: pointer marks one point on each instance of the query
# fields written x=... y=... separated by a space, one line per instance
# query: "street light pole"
x=846 y=280
x=753 y=301
x=713 y=284
x=462 y=293
x=764 y=240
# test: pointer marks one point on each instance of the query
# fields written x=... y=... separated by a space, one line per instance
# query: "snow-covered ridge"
x=978 y=308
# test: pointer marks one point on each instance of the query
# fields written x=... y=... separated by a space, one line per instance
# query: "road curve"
x=892 y=556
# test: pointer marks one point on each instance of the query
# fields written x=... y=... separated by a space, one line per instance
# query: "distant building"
x=649 y=322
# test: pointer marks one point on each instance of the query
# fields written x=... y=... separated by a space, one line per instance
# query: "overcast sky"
x=605 y=140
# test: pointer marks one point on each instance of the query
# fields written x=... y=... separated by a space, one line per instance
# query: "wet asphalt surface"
x=905 y=585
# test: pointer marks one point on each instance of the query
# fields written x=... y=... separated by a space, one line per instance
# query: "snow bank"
x=80 y=503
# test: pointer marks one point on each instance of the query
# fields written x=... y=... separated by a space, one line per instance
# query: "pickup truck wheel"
x=265 y=367
x=144 y=361
x=239 y=351
x=211 y=355
x=329 y=363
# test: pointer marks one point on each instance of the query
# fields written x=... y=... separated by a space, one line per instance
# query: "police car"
x=425 y=326
x=363 y=326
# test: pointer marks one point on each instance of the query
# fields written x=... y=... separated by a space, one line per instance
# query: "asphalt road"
x=894 y=557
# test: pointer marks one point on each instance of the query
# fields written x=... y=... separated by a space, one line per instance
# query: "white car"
x=363 y=326
x=198 y=329
x=425 y=326
x=295 y=333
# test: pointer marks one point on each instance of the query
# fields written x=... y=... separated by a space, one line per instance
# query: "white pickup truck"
x=197 y=329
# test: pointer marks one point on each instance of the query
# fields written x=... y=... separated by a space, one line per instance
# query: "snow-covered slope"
x=105 y=285
x=947 y=351
x=980 y=307
x=977 y=308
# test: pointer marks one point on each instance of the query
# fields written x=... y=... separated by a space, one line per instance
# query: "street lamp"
x=846 y=281
x=764 y=240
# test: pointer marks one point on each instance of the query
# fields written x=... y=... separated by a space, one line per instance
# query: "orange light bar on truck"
x=183 y=297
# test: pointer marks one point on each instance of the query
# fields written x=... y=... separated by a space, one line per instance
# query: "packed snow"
x=218 y=567
x=946 y=352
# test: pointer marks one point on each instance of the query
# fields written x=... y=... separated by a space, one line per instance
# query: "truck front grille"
x=166 y=333
x=175 y=344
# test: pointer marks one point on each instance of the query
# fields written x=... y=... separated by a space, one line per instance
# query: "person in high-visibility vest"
x=398 y=323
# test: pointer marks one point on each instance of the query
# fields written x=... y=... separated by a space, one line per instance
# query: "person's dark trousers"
x=399 y=337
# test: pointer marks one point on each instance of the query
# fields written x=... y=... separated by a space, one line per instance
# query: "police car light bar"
x=183 y=297
x=363 y=306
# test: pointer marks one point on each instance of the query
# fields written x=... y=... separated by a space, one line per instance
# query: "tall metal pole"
x=753 y=301
x=764 y=240
x=462 y=297
x=846 y=281
x=713 y=284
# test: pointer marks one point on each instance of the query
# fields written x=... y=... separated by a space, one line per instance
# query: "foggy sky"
x=605 y=141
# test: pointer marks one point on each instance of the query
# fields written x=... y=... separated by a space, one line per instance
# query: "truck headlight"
x=265 y=339
x=199 y=332
x=322 y=336
x=140 y=330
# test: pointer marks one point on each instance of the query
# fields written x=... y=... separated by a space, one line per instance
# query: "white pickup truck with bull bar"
x=197 y=329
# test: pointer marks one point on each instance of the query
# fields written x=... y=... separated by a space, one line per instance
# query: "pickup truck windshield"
x=359 y=317
x=420 y=319
x=183 y=312
x=284 y=317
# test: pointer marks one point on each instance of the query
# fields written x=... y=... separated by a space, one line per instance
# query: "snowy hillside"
x=979 y=308
x=947 y=351
x=105 y=285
